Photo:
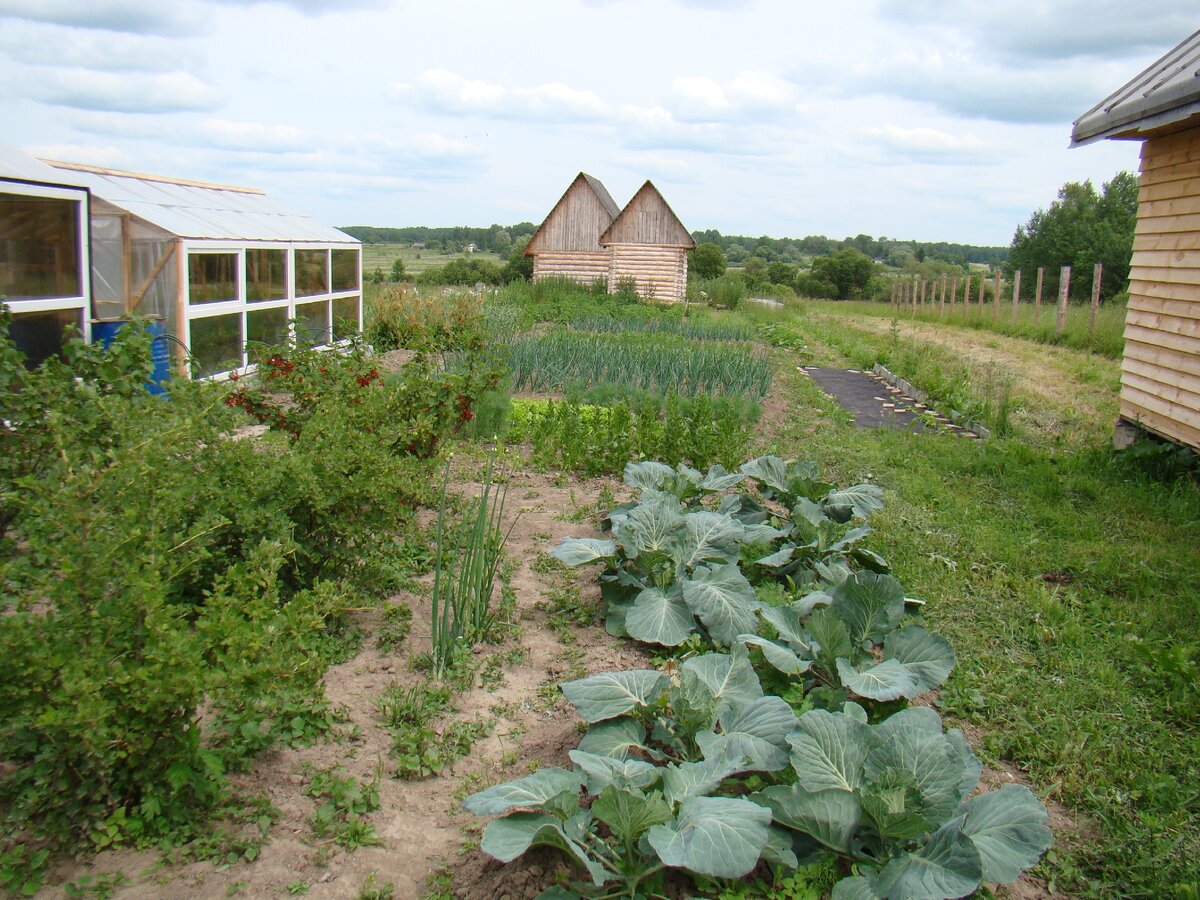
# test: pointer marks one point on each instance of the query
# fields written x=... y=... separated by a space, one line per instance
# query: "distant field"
x=382 y=256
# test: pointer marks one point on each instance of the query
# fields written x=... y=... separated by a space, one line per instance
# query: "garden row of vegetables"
x=779 y=728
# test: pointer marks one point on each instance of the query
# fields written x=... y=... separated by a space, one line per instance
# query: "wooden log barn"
x=1160 y=372
x=588 y=238
x=567 y=243
x=649 y=247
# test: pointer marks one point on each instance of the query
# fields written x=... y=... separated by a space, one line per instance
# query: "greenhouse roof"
x=18 y=166
x=197 y=210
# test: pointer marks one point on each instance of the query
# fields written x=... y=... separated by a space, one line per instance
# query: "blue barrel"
x=160 y=354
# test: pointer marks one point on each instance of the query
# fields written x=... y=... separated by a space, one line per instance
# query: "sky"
x=928 y=120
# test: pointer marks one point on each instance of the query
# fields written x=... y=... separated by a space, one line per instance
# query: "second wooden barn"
x=649 y=247
x=1160 y=372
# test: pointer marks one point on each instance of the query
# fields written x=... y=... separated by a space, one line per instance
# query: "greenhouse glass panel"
x=312 y=272
x=212 y=277
x=267 y=326
x=345 y=317
x=345 y=270
x=266 y=275
x=39 y=256
x=312 y=322
x=216 y=344
x=39 y=335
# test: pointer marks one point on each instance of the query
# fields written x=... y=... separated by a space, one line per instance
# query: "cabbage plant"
x=895 y=798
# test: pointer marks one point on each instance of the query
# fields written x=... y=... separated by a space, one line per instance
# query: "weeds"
x=342 y=802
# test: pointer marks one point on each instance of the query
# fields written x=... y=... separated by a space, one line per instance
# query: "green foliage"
x=399 y=317
x=551 y=361
x=669 y=759
x=394 y=629
x=397 y=273
x=162 y=564
x=464 y=272
x=1081 y=228
x=848 y=271
x=707 y=261
x=342 y=802
x=723 y=292
x=594 y=440
x=466 y=562
x=419 y=750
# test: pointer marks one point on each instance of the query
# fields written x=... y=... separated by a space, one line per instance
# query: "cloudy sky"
x=925 y=119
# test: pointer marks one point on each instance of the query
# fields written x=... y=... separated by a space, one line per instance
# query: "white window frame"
x=243 y=306
x=81 y=303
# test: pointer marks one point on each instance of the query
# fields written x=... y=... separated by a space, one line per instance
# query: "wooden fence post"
x=953 y=293
x=982 y=292
x=1064 y=291
x=944 y=279
x=996 y=297
x=967 y=295
x=924 y=284
x=1096 y=273
x=1037 y=296
x=1016 y=293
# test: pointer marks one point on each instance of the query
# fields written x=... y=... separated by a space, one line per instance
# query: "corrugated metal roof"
x=18 y=166
x=191 y=209
x=1167 y=92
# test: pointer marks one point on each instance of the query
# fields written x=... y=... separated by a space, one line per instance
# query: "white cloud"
x=1037 y=30
x=252 y=136
x=448 y=92
x=119 y=92
x=930 y=145
x=89 y=154
x=749 y=95
x=27 y=42
x=169 y=17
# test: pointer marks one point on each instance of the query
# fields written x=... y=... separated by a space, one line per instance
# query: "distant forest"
x=737 y=248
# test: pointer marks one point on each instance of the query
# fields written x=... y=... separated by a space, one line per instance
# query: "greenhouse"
x=43 y=253
x=218 y=266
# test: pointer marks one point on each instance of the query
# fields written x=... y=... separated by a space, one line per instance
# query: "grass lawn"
x=1068 y=581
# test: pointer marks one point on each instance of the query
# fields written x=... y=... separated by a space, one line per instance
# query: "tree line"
x=494 y=239
x=891 y=251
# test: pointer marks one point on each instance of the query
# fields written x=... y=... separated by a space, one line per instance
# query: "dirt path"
x=419 y=822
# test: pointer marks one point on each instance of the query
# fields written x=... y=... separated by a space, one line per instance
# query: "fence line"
x=911 y=292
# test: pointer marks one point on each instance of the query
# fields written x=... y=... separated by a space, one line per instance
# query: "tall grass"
x=550 y=362
x=1107 y=339
x=465 y=572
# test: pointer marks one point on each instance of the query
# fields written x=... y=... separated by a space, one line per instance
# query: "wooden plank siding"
x=1160 y=372
x=659 y=272
x=567 y=243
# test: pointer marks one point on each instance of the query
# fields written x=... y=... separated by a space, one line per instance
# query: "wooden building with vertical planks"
x=567 y=243
x=649 y=247
x=1160 y=373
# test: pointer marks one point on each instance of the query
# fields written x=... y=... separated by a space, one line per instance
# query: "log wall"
x=1160 y=373
x=660 y=272
x=580 y=266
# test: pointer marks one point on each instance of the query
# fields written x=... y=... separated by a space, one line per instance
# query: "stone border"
x=921 y=397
